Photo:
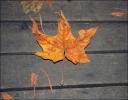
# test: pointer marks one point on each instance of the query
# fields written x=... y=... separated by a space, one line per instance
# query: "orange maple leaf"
x=34 y=5
x=6 y=96
x=63 y=43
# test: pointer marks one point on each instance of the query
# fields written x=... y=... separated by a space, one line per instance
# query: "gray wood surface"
x=103 y=68
x=87 y=10
x=109 y=93
x=17 y=37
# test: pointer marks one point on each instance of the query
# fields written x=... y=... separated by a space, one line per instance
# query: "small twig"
x=41 y=20
x=34 y=83
x=49 y=81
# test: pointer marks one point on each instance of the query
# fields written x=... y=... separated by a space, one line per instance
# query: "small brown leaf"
x=118 y=13
x=34 y=5
x=6 y=96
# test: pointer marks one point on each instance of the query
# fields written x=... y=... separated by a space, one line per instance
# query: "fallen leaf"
x=34 y=81
x=6 y=96
x=34 y=5
x=118 y=12
x=63 y=44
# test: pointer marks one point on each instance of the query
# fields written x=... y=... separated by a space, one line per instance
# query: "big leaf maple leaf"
x=63 y=44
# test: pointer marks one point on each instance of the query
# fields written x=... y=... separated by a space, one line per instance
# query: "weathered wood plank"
x=16 y=37
x=109 y=93
x=103 y=68
x=74 y=10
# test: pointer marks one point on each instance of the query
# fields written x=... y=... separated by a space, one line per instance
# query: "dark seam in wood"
x=65 y=87
x=70 y=21
x=70 y=0
x=89 y=52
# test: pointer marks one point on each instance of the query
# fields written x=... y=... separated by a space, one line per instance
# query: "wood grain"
x=17 y=37
x=108 y=93
x=103 y=68
x=98 y=10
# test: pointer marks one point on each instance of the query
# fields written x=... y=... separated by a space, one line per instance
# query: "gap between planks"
x=70 y=21
x=66 y=87
x=69 y=0
x=89 y=52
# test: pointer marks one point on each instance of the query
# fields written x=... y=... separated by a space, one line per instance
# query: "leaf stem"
x=62 y=73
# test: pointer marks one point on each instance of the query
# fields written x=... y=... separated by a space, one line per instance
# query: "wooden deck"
x=105 y=77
